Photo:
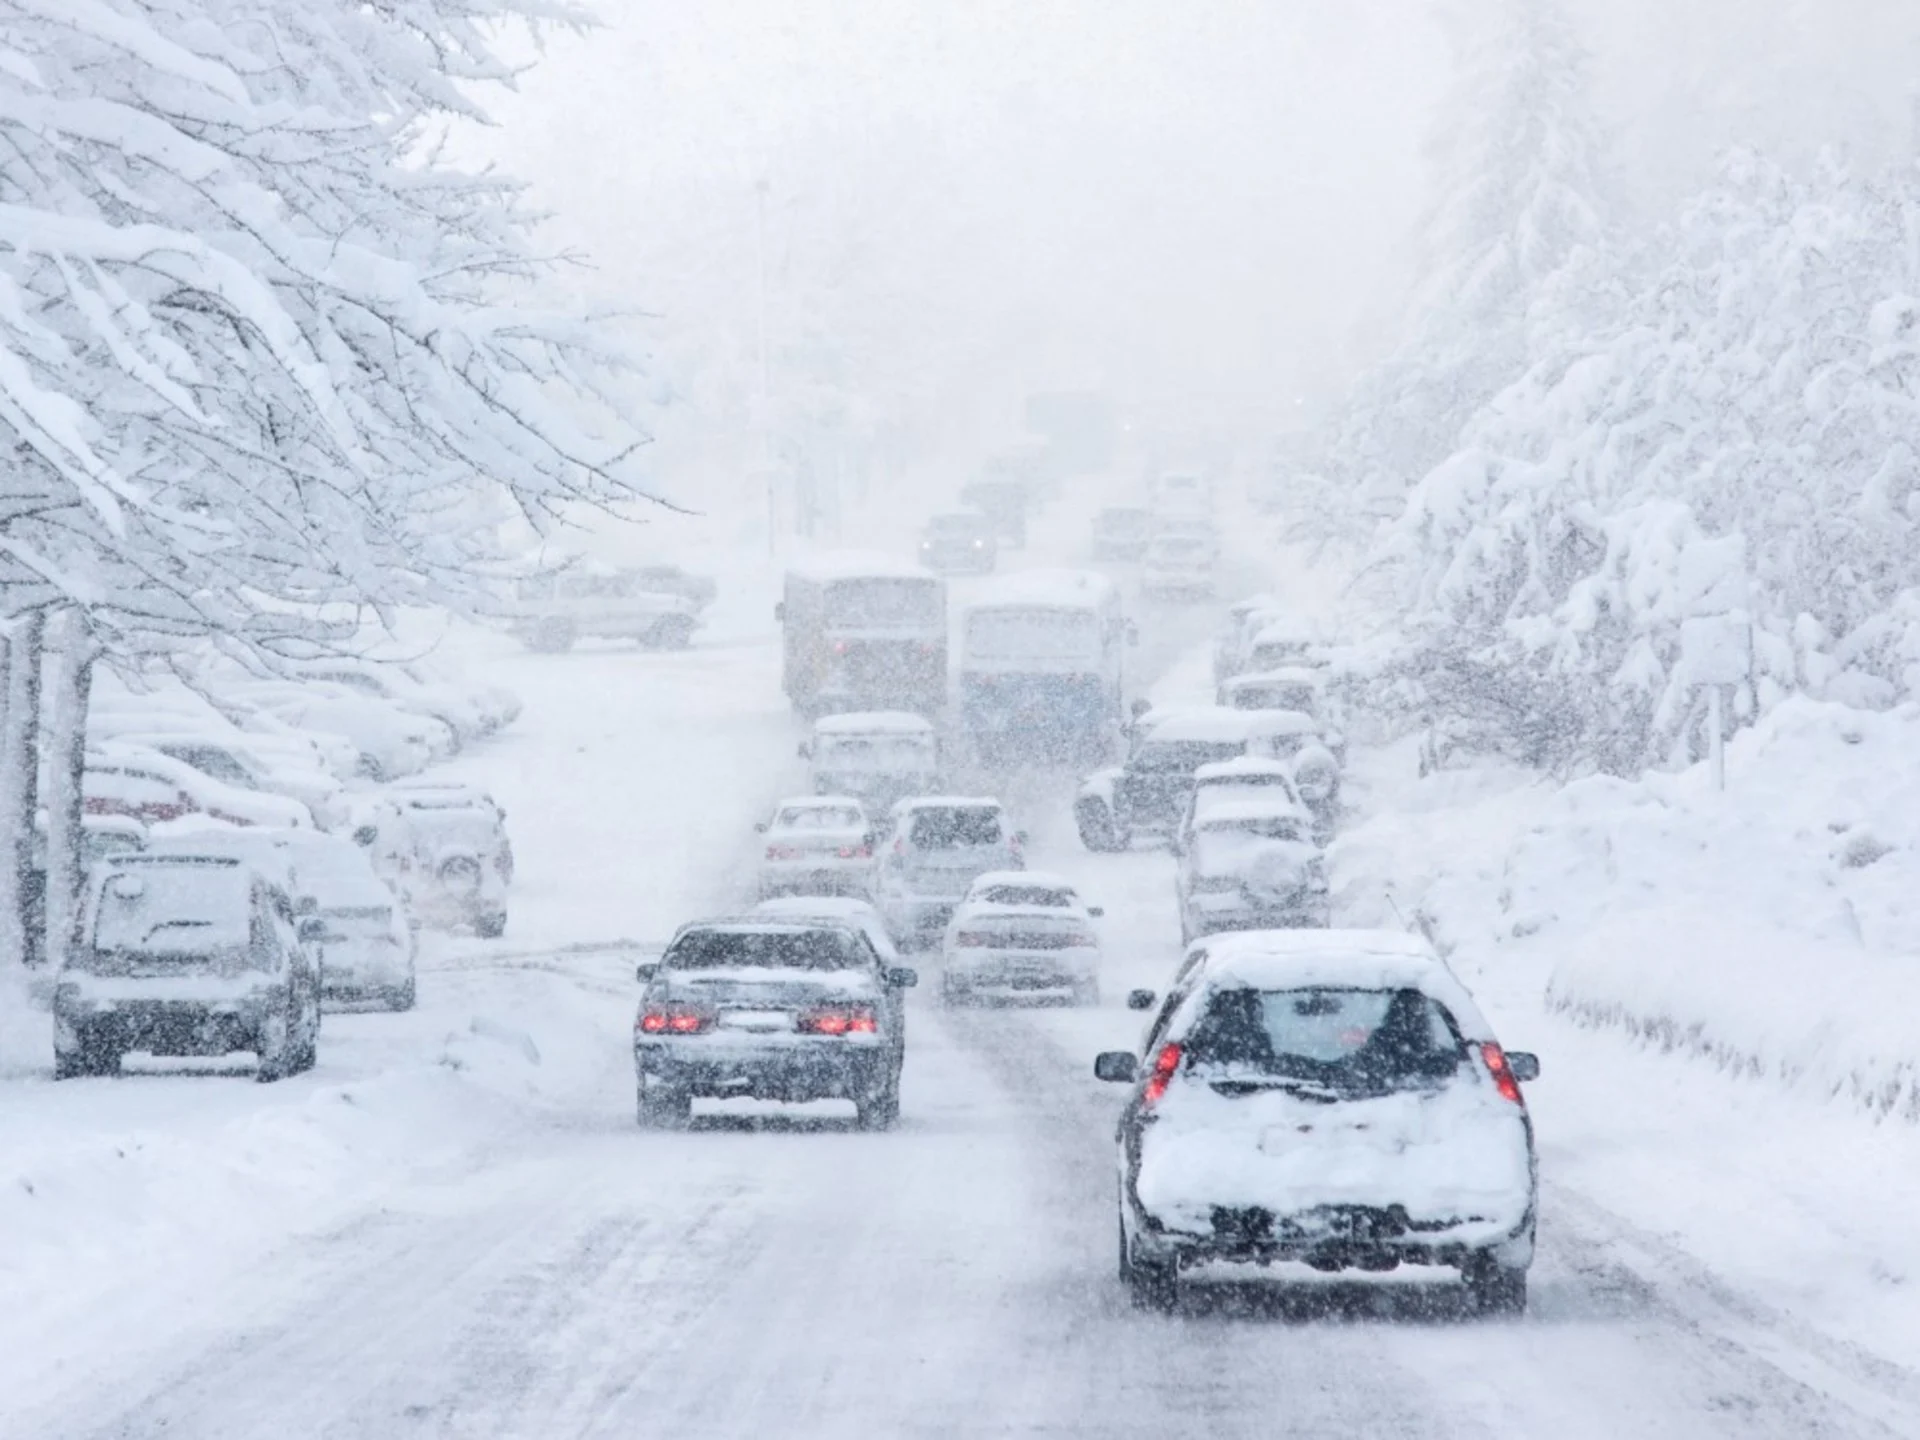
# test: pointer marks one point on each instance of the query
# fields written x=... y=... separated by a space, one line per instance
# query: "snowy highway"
x=515 y=1258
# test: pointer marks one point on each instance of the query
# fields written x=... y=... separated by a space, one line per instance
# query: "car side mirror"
x=1524 y=1064
x=313 y=931
x=902 y=977
x=646 y=970
x=1118 y=1067
x=1096 y=911
x=1141 y=999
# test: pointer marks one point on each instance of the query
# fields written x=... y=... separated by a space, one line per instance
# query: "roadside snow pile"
x=1773 y=929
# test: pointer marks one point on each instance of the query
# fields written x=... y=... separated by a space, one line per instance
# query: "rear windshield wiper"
x=1235 y=1089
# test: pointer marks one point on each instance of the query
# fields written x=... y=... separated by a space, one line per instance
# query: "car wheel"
x=276 y=1048
x=1094 y=820
x=674 y=634
x=663 y=1107
x=1496 y=1289
x=1151 y=1284
x=88 y=1059
x=879 y=1110
x=491 y=927
x=401 y=997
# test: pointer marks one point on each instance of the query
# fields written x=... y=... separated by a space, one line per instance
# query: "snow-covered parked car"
x=1009 y=941
x=654 y=606
x=389 y=743
x=448 y=857
x=1251 y=865
x=187 y=956
x=878 y=756
x=789 y=1010
x=467 y=716
x=1328 y=1097
x=931 y=850
x=132 y=780
x=367 y=951
x=264 y=768
x=816 y=845
x=1228 y=782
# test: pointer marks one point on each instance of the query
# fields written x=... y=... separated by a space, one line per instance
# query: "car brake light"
x=782 y=852
x=1161 y=1076
x=673 y=1020
x=1502 y=1072
x=855 y=1021
x=855 y=852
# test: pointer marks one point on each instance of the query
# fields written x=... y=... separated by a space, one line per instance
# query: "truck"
x=1041 y=667
x=863 y=632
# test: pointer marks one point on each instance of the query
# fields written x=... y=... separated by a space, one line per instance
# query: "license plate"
x=757 y=1020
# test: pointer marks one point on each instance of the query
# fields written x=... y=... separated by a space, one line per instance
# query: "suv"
x=656 y=607
x=187 y=955
x=1166 y=748
x=962 y=542
x=933 y=848
x=1251 y=865
x=1333 y=1098
x=770 y=1009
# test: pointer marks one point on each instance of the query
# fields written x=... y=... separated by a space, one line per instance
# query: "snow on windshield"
x=762 y=949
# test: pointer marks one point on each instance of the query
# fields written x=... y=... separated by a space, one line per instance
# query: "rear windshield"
x=1351 y=1042
x=1025 y=895
x=1257 y=827
x=759 y=949
x=883 y=604
x=1185 y=756
x=174 y=910
x=951 y=827
x=876 y=751
x=818 y=817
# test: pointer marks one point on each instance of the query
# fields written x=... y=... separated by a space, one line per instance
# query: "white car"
x=263 y=768
x=461 y=713
x=1251 y=865
x=1333 y=1098
x=817 y=845
x=150 y=787
x=448 y=859
x=1020 y=952
x=390 y=743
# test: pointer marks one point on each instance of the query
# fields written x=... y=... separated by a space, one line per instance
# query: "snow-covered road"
x=487 y=1246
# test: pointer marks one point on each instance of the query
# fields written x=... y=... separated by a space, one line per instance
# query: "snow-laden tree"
x=1511 y=246
x=261 y=348
x=1761 y=385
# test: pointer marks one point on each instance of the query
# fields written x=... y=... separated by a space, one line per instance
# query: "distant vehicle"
x=131 y=780
x=1251 y=865
x=1177 y=491
x=1278 y=645
x=1024 y=952
x=1149 y=792
x=1042 y=665
x=1329 y=1097
x=931 y=850
x=449 y=859
x=1005 y=501
x=368 y=948
x=1179 y=565
x=879 y=756
x=187 y=957
x=1245 y=618
x=817 y=845
x=864 y=633
x=470 y=717
x=390 y=743
x=654 y=606
x=788 y=1010
x=1229 y=782
x=963 y=542
x=1120 y=533
x=1294 y=688
x=438 y=796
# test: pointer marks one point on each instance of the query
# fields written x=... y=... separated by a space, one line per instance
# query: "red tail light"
x=1502 y=1072
x=972 y=939
x=782 y=852
x=855 y=852
x=857 y=1020
x=673 y=1020
x=839 y=647
x=1165 y=1064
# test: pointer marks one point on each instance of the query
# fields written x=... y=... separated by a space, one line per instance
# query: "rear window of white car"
x=818 y=817
x=756 y=949
x=1045 y=895
x=952 y=826
x=1349 y=1042
x=174 y=910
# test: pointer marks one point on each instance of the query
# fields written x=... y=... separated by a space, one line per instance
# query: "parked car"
x=1333 y=1098
x=449 y=860
x=367 y=951
x=963 y=542
x=877 y=756
x=461 y=713
x=1251 y=865
x=1120 y=533
x=389 y=743
x=787 y=1010
x=649 y=606
x=458 y=795
x=817 y=845
x=148 y=786
x=1013 y=951
x=233 y=761
x=187 y=956
x=1279 y=644
x=931 y=849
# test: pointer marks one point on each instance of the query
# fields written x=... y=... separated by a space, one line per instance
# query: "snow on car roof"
x=819 y=802
x=1201 y=723
x=1243 y=767
x=1354 y=959
x=858 y=565
x=1064 y=588
x=1036 y=879
x=1224 y=813
x=998 y=910
x=1282 y=722
x=1287 y=628
x=873 y=722
x=942 y=802
x=811 y=907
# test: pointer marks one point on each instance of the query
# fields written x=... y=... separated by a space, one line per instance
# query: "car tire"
x=277 y=1048
x=663 y=1107
x=879 y=1109
x=87 y=1060
x=1496 y=1289
x=401 y=997
x=674 y=634
x=1150 y=1284
x=490 y=927
x=1099 y=832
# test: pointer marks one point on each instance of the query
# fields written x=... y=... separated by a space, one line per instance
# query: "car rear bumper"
x=848 y=878
x=165 y=1027
x=1019 y=973
x=789 y=1071
x=1340 y=1237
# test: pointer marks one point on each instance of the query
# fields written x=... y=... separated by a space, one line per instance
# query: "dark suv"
x=188 y=955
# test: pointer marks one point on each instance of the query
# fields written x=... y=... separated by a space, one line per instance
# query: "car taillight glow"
x=673 y=1020
x=1502 y=1072
x=1165 y=1064
x=856 y=1020
x=782 y=852
x=855 y=852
